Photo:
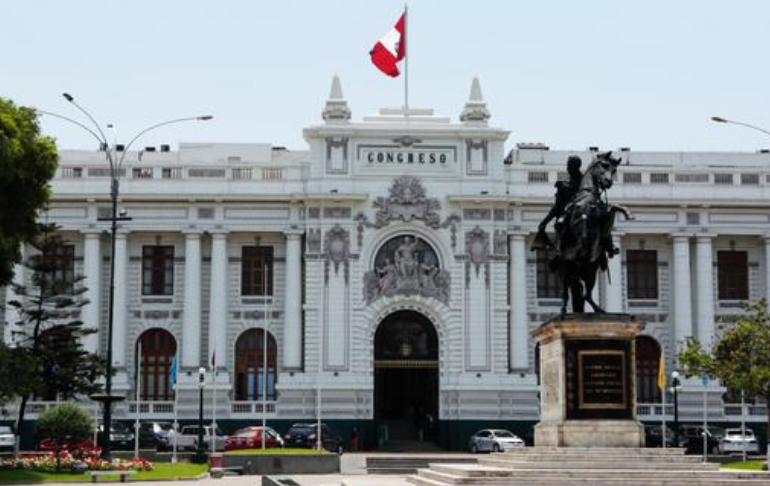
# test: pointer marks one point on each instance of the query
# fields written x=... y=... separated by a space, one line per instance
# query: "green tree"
x=65 y=424
x=56 y=365
x=27 y=163
x=740 y=356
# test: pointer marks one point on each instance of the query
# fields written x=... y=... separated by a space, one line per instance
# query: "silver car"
x=494 y=440
x=7 y=439
x=735 y=441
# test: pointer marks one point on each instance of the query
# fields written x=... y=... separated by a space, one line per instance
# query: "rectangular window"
x=257 y=270
x=548 y=286
x=157 y=270
x=642 y=274
x=61 y=259
x=733 y=275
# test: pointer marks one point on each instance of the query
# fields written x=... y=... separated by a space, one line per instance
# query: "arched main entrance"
x=406 y=377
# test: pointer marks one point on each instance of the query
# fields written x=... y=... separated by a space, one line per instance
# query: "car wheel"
x=496 y=448
x=340 y=449
x=474 y=448
x=716 y=450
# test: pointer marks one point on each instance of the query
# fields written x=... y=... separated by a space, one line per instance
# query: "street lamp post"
x=675 y=387
x=719 y=119
x=200 y=452
x=115 y=162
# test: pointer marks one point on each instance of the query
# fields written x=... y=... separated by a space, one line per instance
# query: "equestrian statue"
x=581 y=244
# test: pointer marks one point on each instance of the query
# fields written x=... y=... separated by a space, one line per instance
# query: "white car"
x=494 y=440
x=188 y=438
x=734 y=441
x=7 y=439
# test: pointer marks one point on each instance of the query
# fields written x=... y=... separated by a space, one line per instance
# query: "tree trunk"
x=767 y=410
x=19 y=424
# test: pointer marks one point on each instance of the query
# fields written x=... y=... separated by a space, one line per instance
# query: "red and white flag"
x=391 y=49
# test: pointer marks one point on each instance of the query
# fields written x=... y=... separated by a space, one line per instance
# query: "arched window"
x=249 y=361
x=158 y=350
x=647 y=367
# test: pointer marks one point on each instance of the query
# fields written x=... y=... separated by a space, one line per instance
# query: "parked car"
x=735 y=441
x=188 y=438
x=7 y=439
x=156 y=435
x=494 y=440
x=691 y=438
x=653 y=436
x=121 y=436
x=251 y=438
x=306 y=436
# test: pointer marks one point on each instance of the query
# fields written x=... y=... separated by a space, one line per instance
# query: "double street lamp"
x=200 y=451
x=116 y=163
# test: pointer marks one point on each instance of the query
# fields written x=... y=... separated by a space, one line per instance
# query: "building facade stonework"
x=397 y=242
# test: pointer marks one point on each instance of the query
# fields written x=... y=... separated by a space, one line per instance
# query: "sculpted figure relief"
x=405 y=270
x=583 y=220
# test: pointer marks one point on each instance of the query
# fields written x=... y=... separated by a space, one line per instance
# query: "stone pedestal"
x=588 y=382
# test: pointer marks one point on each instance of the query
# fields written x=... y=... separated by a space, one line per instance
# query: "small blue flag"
x=173 y=371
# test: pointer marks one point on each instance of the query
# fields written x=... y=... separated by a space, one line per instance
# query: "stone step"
x=595 y=481
x=497 y=478
x=472 y=470
x=609 y=456
x=600 y=451
x=409 y=465
x=589 y=463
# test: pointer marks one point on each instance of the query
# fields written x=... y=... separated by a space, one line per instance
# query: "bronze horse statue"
x=582 y=242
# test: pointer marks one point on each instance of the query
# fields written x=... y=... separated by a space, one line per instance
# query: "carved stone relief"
x=313 y=240
x=407 y=201
x=336 y=250
x=477 y=249
x=406 y=266
x=501 y=243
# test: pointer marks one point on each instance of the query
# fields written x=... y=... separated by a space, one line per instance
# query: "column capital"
x=705 y=236
x=678 y=235
x=192 y=232
x=90 y=233
x=518 y=234
x=121 y=234
x=293 y=234
x=219 y=234
x=766 y=236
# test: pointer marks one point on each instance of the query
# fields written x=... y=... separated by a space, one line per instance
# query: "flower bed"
x=77 y=461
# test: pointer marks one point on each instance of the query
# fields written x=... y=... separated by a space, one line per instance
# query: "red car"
x=251 y=438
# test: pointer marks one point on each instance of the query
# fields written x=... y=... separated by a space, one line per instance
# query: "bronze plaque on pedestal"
x=598 y=379
x=601 y=380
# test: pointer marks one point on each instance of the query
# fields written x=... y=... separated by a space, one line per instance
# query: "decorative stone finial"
x=336 y=106
x=475 y=108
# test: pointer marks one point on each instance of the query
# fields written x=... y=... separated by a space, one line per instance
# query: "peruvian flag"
x=391 y=49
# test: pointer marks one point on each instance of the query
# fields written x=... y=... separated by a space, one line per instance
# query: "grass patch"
x=745 y=466
x=182 y=470
x=288 y=452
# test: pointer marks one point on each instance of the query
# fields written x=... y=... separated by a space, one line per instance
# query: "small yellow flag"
x=662 y=372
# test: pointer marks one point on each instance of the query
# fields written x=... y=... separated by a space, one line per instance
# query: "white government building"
x=389 y=267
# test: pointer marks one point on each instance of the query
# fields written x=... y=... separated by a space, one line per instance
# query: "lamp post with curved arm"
x=719 y=119
x=115 y=165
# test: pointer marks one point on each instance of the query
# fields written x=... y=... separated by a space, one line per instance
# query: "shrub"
x=64 y=425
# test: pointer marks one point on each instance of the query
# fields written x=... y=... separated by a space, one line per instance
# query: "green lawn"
x=746 y=466
x=250 y=452
x=183 y=470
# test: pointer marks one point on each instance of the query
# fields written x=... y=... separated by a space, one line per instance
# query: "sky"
x=570 y=74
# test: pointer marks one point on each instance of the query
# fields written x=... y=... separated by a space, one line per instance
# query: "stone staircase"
x=586 y=466
x=410 y=463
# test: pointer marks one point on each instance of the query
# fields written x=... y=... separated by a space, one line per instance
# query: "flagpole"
x=662 y=386
x=266 y=276
x=138 y=398
x=175 y=383
x=406 y=61
x=214 y=400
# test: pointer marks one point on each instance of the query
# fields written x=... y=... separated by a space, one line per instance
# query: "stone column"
x=614 y=287
x=704 y=289
x=519 y=324
x=191 y=315
x=682 y=301
x=292 y=325
x=120 y=313
x=218 y=299
x=767 y=268
x=92 y=265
